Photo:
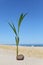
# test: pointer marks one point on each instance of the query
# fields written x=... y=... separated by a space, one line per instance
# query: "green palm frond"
x=20 y=20
x=13 y=28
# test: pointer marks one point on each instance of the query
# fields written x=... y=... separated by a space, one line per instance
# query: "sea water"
x=35 y=45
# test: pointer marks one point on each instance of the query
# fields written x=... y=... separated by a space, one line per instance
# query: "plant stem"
x=17 y=50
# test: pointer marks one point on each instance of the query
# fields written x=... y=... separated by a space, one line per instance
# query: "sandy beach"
x=32 y=55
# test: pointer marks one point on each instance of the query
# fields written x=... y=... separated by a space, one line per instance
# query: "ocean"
x=35 y=45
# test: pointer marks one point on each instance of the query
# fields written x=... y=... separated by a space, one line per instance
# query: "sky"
x=31 y=30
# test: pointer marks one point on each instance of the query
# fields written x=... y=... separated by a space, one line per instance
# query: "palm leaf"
x=20 y=20
x=13 y=28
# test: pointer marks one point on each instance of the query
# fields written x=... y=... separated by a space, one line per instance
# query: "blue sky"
x=31 y=30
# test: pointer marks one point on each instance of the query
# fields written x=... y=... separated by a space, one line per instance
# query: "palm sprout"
x=14 y=29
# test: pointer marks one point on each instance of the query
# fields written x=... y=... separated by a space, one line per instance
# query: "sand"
x=32 y=55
